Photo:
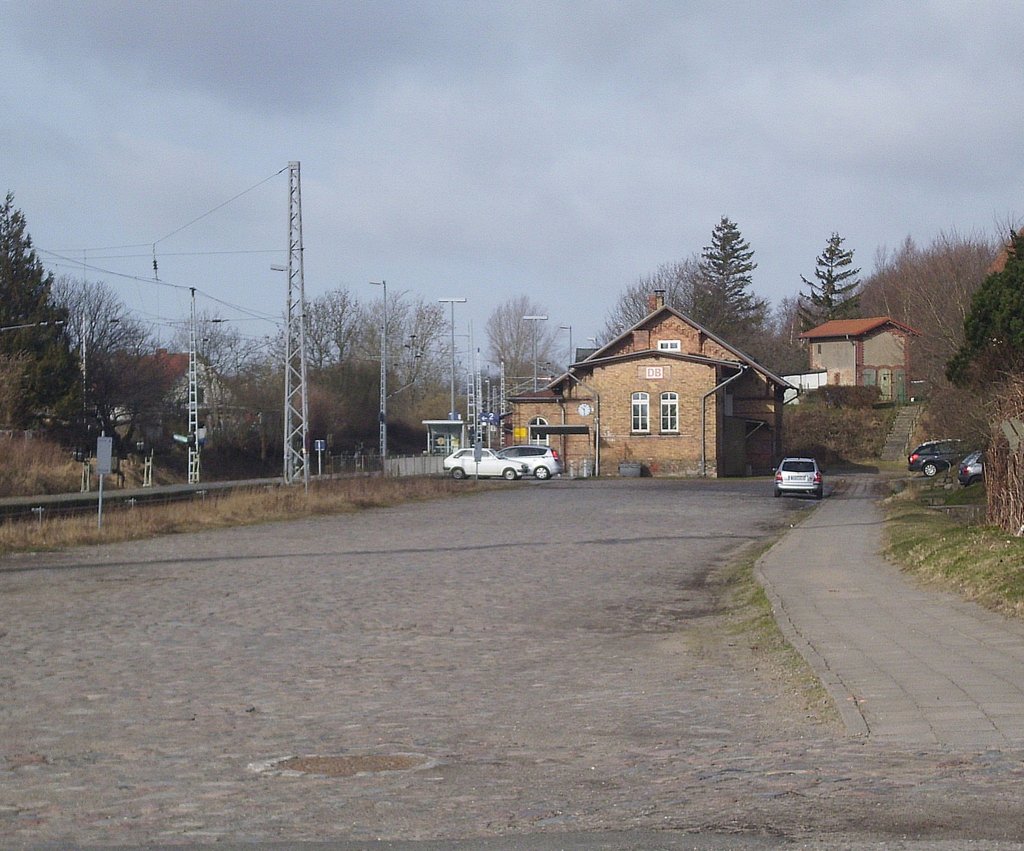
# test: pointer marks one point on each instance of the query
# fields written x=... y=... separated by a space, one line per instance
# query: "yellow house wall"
x=673 y=452
x=886 y=350
x=838 y=358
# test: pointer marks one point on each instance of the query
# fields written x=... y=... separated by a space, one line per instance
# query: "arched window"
x=670 y=412
x=541 y=439
x=641 y=409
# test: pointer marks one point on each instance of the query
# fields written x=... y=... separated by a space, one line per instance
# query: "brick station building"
x=666 y=396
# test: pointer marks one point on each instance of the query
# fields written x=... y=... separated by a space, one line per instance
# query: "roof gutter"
x=703 y=417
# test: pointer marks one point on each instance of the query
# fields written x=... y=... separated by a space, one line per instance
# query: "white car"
x=542 y=461
x=463 y=463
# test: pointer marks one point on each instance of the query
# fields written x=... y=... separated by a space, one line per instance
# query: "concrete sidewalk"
x=904 y=663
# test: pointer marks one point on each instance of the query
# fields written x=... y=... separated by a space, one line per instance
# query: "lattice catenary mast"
x=296 y=406
x=193 y=397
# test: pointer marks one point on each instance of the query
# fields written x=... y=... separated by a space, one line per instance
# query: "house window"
x=669 y=346
x=670 y=412
x=641 y=412
x=541 y=439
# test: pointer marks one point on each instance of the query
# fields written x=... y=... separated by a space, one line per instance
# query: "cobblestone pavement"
x=549 y=658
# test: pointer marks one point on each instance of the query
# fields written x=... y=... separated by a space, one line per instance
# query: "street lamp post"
x=572 y=353
x=535 y=319
x=383 y=378
x=452 y=302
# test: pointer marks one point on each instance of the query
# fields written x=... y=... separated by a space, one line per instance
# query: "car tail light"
x=778 y=475
x=913 y=458
x=554 y=454
x=817 y=478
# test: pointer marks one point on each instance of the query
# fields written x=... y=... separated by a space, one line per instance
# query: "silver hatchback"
x=799 y=475
x=543 y=461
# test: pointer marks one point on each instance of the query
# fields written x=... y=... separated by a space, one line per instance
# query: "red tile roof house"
x=667 y=396
x=863 y=353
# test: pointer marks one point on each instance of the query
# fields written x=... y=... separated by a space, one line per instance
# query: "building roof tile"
x=854 y=327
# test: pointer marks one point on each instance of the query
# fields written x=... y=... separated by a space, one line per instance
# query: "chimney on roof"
x=656 y=300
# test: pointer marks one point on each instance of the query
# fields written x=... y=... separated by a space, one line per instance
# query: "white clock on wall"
x=584 y=410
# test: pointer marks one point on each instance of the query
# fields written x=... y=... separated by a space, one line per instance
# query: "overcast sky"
x=559 y=150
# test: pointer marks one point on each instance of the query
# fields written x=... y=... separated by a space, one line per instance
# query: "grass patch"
x=220 y=510
x=749 y=620
x=36 y=467
x=981 y=563
x=970 y=495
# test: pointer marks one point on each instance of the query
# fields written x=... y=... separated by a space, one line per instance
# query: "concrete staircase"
x=897 y=444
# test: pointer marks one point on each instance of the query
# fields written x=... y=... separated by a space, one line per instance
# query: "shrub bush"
x=834 y=434
x=843 y=397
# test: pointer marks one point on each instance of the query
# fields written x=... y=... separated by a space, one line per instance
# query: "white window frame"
x=670 y=411
x=640 y=413
x=544 y=440
x=670 y=345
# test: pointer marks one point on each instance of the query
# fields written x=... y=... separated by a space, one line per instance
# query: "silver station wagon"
x=799 y=475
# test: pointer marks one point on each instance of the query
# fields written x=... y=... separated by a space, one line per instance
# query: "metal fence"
x=414 y=465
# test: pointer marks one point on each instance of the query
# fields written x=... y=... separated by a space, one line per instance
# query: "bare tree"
x=778 y=346
x=930 y=289
x=511 y=338
x=335 y=323
x=345 y=341
x=677 y=280
x=124 y=377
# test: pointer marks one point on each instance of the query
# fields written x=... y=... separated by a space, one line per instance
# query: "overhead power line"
x=75 y=264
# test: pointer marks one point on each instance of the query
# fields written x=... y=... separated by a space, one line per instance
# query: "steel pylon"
x=296 y=405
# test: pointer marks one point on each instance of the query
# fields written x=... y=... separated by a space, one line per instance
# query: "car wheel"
x=542 y=473
x=819 y=493
x=458 y=473
x=778 y=492
x=510 y=474
x=930 y=469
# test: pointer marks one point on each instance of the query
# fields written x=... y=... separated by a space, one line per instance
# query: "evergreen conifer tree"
x=722 y=301
x=993 y=346
x=50 y=378
x=834 y=292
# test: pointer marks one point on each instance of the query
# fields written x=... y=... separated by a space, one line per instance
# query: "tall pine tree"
x=49 y=381
x=722 y=301
x=834 y=294
x=993 y=346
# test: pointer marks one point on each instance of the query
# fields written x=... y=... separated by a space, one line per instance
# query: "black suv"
x=935 y=455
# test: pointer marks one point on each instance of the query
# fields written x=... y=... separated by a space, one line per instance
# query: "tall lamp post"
x=535 y=319
x=572 y=353
x=383 y=378
x=452 y=302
